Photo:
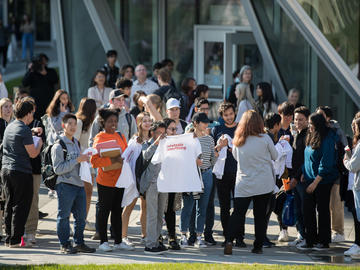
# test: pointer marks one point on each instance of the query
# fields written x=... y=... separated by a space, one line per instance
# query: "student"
x=265 y=103
x=110 y=69
x=208 y=157
x=225 y=185
x=98 y=90
x=70 y=188
x=286 y=111
x=125 y=85
x=353 y=165
x=148 y=185
x=138 y=103
x=173 y=112
x=188 y=86
x=245 y=101
x=319 y=173
x=58 y=107
x=336 y=204
x=301 y=115
x=109 y=196
x=272 y=127
x=201 y=92
x=85 y=116
x=255 y=180
x=156 y=67
x=142 y=136
x=294 y=97
x=127 y=72
x=16 y=173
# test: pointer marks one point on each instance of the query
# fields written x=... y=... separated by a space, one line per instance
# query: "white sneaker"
x=283 y=236
x=90 y=226
x=52 y=194
x=105 y=247
x=123 y=246
x=184 y=241
x=199 y=243
x=296 y=241
x=302 y=242
x=337 y=238
x=355 y=249
x=30 y=238
x=127 y=241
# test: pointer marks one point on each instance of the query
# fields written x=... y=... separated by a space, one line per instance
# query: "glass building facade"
x=156 y=29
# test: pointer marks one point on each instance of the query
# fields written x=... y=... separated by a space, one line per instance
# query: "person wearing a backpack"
x=336 y=203
x=156 y=202
x=70 y=188
x=18 y=148
x=126 y=124
x=109 y=196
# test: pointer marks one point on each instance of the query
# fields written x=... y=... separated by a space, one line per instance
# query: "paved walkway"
x=47 y=248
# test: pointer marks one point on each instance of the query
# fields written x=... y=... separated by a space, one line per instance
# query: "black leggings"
x=109 y=200
x=170 y=216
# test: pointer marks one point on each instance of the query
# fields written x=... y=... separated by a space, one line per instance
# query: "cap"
x=172 y=103
x=200 y=117
x=116 y=93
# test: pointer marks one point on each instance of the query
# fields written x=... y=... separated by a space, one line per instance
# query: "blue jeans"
x=27 y=43
x=71 y=199
x=201 y=205
x=299 y=199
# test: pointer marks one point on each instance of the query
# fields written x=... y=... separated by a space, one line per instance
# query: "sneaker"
x=154 y=250
x=105 y=247
x=337 y=238
x=68 y=249
x=123 y=246
x=143 y=240
x=30 y=238
x=240 y=243
x=200 y=242
x=127 y=241
x=52 y=194
x=268 y=244
x=192 y=239
x=355 y=256
x=257 y=251
x=209 y=240
x=283 y=236
x=162 y=246
x=84 y=249
x=305 y=246
x=90 y=226
x=355 y=249
x=303 y=242
x=42 y=215
x=295 y=242
x=184 y=241
x=228 y=248
x=173 y=244
x=321 y=247
x=96 y=236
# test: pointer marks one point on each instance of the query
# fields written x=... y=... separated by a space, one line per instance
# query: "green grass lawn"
x=181 y=266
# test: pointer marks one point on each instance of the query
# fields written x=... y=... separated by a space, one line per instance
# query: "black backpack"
x=47 y=170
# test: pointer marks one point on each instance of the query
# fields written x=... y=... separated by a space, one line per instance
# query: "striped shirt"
x=208 y=152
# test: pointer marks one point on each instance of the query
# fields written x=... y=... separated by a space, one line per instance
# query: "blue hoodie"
x=322 y=161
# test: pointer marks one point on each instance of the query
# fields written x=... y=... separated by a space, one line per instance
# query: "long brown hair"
x=54 y=107
x=321 y=130
x=139 y=121
x=86 y=112
x=251 y=124
x=355 y=125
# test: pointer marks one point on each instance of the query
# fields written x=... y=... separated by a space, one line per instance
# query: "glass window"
x=299 y=65
x=339 y=21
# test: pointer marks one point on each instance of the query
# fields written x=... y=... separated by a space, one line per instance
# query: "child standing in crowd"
x=208 y=157
x=85 y=116
x=110 y=197
x=70 y=188
x=155 y=200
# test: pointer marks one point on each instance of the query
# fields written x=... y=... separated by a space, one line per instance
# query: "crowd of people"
x=253 y=151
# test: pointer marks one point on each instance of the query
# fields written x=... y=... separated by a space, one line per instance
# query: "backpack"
x=140 y=167
x=47 y=170
x=129 y=120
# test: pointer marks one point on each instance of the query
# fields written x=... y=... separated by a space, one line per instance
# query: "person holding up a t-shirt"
x=18 y=148
x=225 y=185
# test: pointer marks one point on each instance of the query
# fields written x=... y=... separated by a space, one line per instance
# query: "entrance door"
x=219 y=51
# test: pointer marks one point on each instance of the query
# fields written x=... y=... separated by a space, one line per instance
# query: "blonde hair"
x=3 y=101
x=242 y=92
x=157 y=102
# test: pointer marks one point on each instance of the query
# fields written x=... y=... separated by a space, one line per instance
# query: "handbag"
x=288 y=213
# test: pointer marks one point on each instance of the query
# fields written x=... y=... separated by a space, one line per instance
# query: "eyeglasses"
x=204 y=109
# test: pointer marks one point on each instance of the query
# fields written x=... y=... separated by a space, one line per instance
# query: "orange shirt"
x=107 y=178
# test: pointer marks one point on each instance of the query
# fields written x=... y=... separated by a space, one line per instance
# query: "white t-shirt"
x=179 y=172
